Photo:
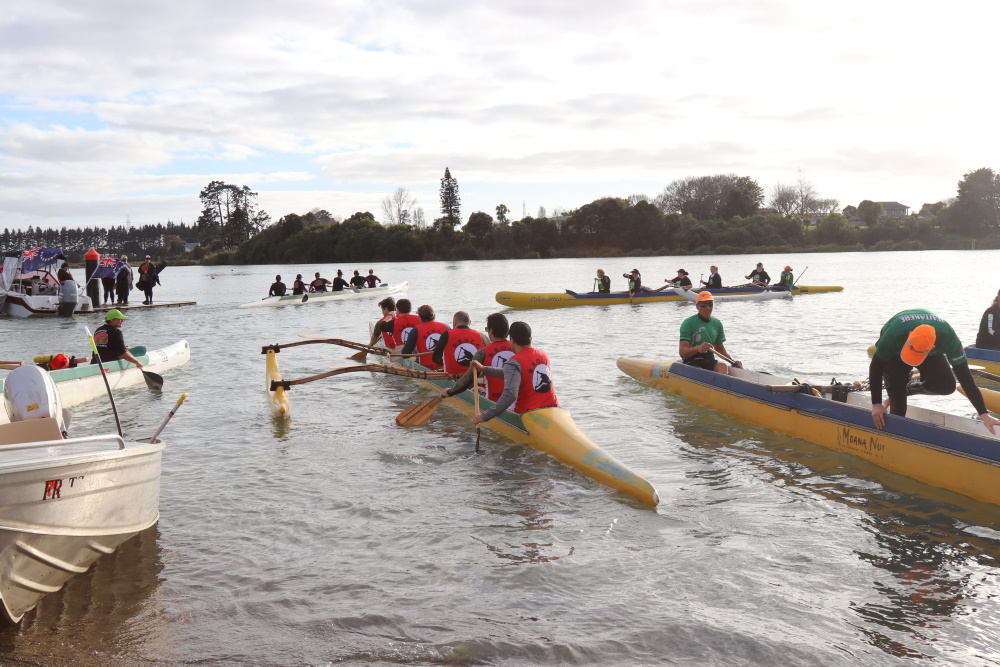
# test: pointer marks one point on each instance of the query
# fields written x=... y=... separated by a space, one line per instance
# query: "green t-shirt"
x=697 y=331
x=895 y=332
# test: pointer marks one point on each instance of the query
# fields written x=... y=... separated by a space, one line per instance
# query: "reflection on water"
x=107 y=613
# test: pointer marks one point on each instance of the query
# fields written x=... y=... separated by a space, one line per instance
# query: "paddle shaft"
x=724 y=356
x=164 y=424
x=373 y=368
x=107 y=383
x=475 y=401
x=800 y=276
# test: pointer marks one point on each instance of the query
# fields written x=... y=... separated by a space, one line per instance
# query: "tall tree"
x=977 y=209
x=715 y=197
x=869 y=212
x=229 y=216
x=397 y=207
x=451 y=203
x=502 y=212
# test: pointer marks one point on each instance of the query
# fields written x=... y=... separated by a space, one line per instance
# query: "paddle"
x=371 y=349
x=420 y=414
x=104 y=374
x=153 y=440
x=725 y=357
x=373 y=368
x=987 y=376
x=10 y=366
x=153 y=380
x=800 y=276
x=475 y=400
x=305 y=297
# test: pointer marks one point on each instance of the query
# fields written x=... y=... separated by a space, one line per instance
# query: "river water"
x=340 y=538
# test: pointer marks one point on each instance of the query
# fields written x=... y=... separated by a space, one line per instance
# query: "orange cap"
x=704 y=296
x=918 y=345
x=788 y=268
x=59 y=361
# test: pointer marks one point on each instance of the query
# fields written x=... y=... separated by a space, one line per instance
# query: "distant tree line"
x=715 y=214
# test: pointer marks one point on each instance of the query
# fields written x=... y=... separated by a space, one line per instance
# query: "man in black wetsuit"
x=319 y=285
x=759 y=275
x=277 y=287
x=110 y=342
x=602 y=282
x=358 y=281
x=372 y=279
x=714 y=279
x=298 y=287
x=339 y=284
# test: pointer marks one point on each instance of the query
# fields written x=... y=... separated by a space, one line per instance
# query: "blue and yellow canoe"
x=569 y=298
x=943 y=450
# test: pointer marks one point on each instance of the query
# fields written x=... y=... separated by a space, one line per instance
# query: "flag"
x=108 y=267
x=38 y=258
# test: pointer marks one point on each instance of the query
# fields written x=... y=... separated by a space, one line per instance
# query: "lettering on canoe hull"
x=546 y=299
x=862 y=442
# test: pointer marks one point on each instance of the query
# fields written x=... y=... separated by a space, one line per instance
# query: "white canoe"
x=84 y=383
x=762 y=295
x=322 y=297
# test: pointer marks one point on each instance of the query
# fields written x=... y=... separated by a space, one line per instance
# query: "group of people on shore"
x=516 y=373
x=116 y=289
x=758 y=276
x=319 y=284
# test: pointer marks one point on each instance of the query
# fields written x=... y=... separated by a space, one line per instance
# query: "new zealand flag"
x=108 y=267
x=37 y=258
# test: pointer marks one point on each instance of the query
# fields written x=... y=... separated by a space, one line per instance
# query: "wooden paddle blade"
x=420 y=414
x=360 y=356
x=153 y=381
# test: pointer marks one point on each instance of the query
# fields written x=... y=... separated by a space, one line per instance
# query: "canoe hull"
x=553 y=432
x=942 y=450
x=569 y=299
x=322 y=297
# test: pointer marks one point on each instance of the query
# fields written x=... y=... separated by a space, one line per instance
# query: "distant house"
x=893 y=210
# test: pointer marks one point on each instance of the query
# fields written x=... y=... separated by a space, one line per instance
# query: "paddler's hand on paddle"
x=878 y=416
x=478 y=366
x=989 y=421
x=477 y=419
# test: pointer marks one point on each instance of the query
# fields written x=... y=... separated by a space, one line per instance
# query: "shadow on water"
x=101 y=616
x=933 y=553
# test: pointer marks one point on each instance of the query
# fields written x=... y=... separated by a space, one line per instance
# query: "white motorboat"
x=29 y=287
x=64 y=502
x=322 y=297
x=759 y=295
x=84 y=383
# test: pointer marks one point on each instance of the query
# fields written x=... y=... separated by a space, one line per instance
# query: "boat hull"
x=989 y=360
x=84 y=383
x=942 y=450
x=322 y=297
x=570 y=299
x=23 y=305
x=553 y=432
x=64 y=506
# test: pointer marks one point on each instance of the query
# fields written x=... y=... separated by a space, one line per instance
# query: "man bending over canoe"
x=919 y=338
x=494 y=355
x=701 y=334
x=110 y=342
x=527 y=378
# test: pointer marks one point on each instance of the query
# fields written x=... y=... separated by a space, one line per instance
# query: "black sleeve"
x=968 y=383
x=438 y=355
x=875 y=370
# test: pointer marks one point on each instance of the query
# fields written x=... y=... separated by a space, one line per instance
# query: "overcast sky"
x=112 y=109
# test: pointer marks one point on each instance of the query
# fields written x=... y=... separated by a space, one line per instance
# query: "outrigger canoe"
x=322 y=297
x=988 y=359
x=569 y=298
x=83 y=383
x=549 y=430
x=943 y=450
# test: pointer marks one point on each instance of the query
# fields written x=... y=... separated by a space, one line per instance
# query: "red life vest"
x=389 y=338
x=497 y=355
x=427 y=338
x=401 y=324
x=462 y=345
x=536 y=390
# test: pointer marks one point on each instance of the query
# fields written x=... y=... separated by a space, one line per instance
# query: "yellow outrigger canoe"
x=569 y=298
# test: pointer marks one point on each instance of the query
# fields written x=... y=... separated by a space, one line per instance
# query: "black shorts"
x=704 y=360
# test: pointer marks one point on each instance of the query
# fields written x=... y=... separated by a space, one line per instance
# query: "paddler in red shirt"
x=456 y=347
x=527 y=377
x=423 y=338
x=494 y=355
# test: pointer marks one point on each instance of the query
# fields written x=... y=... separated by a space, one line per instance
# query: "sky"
x=114 y=111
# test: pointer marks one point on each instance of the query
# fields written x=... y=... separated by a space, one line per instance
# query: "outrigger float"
x=83 y=383
x=549 y=430
x=569 y=298
x=323 y=297
x=943 y=450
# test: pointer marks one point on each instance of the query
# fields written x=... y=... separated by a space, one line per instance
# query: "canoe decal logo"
x=432 y=341
x=541 y=380
x=501 y=358
x=464 y=353
x=101 y=337
x=406 y=333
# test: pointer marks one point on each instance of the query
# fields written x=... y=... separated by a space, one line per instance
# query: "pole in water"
x=153 y=440
x=104 y=374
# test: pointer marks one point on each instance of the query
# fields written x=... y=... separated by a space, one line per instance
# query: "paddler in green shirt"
x=701 y=334
x=919 y=338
